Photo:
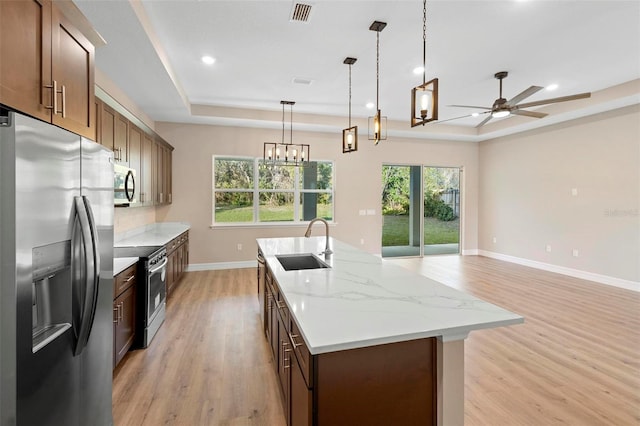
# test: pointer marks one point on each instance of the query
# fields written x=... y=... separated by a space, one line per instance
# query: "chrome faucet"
x=307 y=234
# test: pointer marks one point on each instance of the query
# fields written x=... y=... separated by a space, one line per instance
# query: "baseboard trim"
x=471 y=252
x=193 y=267
x=576 y=273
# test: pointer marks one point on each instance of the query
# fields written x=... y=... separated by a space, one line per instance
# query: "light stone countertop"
x=122 y=263
x=155 y=234
x=364 y=301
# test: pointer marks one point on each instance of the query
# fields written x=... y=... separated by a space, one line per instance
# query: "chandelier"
x=286 y=153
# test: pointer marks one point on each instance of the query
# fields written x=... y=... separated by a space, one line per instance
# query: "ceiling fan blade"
x=483 y=122
x=554 y=100
x=457 y=118
x=469 y=106
x=528 y=113
x=523 y=95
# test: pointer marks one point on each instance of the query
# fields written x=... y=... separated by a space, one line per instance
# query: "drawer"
x=303 y=356
x=124 y=280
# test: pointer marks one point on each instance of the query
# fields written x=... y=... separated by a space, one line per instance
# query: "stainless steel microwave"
x=125 y=193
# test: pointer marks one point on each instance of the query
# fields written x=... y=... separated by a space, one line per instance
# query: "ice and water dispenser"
x=51 y=299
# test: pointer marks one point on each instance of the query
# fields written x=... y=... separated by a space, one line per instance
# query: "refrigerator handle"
x=89 y=292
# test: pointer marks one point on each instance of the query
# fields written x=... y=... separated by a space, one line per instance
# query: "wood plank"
x=575 y=360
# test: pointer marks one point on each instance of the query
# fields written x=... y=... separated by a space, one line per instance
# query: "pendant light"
x=424 y=98
x=377 y=124
x=286 y=153
x=350 y=134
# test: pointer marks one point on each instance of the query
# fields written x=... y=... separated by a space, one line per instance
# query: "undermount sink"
x=295 y=262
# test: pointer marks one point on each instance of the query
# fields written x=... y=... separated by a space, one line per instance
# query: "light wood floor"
x=575 y=360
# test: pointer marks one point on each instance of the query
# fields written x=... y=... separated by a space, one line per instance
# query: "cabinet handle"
x=130 y=278
x=54 y=96
x=281 y=304
x=64 y=101
x=284 y=352
x=293 y=340
x=121 y=308
x=116 y=311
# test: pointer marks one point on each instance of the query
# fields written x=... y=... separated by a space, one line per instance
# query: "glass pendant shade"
x=377 y=128
x=350 y=139
x=424 y=103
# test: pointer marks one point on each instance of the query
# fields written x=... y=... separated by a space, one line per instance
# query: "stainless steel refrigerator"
x=56 y=267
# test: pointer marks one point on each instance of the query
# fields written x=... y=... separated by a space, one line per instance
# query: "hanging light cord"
x=424 y=42
x=378 y=70
x=291 y=126
x=282 y=124
x=349 y=95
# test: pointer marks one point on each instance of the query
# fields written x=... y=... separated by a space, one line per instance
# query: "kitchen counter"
x=155 y=234
x=363 y=301
x=122 y=263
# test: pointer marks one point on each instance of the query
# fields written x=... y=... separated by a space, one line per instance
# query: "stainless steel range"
x=151 y=292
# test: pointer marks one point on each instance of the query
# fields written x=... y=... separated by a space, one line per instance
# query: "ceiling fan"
x=503 y=108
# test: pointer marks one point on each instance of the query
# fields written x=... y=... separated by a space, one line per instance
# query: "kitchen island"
x=364 y=340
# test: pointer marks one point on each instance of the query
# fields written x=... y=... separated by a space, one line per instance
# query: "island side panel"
x=450 y=366
x=377 y=385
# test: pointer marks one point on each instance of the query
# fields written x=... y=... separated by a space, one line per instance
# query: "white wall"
x=357 y=186
x=526 y=201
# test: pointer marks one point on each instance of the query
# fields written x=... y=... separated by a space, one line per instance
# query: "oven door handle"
x=159 y=267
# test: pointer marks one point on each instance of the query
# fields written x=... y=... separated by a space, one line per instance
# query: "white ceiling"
x=154 y=48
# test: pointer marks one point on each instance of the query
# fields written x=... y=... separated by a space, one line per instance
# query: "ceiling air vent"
x=300 y=12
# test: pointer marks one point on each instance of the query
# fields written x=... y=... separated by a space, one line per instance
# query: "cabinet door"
x=72 y=68
x=167 y=160
x=300 y=397
x=124 y=323
x=171 y=259
x=284 y=366
x=25 y=49
x=135 y=154
x=121 y=139
x=98 y=111
x=107 y=128
x=159 y=173
x=146 y=195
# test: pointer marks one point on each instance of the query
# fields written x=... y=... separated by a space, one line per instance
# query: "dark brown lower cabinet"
x=124 y=317
x=177 y=260
x=300 y=397
x=390 y=384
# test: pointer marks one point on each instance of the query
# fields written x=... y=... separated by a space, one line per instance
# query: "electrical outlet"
x=575 y=253
x=362 y=241
x=239 y=247
x=574 y=191
x=548 y=248
x=362 y=212
x=371 y=212
x=495 y=240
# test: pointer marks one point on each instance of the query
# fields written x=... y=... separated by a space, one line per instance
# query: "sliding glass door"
x=441 y=210
x=401 y=199
x=420 y=210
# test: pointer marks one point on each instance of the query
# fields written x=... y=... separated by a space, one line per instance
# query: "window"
x=249 y=190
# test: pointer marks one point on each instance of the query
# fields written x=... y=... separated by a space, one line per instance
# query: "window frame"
x=297 y=192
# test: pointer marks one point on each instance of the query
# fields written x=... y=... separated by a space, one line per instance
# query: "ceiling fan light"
x=501 y=114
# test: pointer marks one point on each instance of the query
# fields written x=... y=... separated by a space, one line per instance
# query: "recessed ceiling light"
x=370 y=105
x=208 y=60
x=475 y=114
x=418 y=70
x=552 y=87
